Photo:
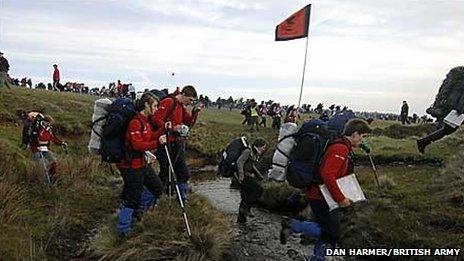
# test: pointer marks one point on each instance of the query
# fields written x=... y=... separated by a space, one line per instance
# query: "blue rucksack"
x=311 y=141
x=113 y=147
x=337 y=122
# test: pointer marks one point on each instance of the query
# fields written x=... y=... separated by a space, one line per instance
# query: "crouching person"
x=336 y=163
x=249 y=177
x=136 y=173
x=39 y=145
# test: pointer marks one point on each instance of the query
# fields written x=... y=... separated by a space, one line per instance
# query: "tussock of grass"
x=452 y=180
x=386 y=182
x=161 y=235
x=275 y=195
x=398 y=131
x=12 y=200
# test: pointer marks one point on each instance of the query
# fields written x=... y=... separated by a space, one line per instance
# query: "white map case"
x=454 y=119
x=349 y=186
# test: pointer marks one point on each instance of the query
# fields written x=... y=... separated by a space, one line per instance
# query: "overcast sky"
x=367 y=54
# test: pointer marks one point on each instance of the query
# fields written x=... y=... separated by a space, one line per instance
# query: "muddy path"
x=258 y=239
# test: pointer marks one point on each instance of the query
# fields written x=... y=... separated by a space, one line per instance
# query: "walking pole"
x=46 y=174
x=169 y=172
x=374 y=169
x=184 y=214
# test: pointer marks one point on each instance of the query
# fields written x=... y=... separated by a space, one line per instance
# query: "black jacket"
x=4 y=66
x=404 y=110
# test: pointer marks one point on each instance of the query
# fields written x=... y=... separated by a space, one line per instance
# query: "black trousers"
x=276 y=122
x=443 y=131
x=134 y=182
x=250 y=193
x=328 y=220
x=177 y=153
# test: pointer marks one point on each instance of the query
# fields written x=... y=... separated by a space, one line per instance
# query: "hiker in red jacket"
x=136 y=173
x=174 y=118
x=336 y=163
x=40 y=147
x=56 y=77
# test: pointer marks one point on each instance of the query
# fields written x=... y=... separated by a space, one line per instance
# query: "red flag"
x=294 y=27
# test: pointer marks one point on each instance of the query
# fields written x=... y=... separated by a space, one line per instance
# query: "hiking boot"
x=285 y=231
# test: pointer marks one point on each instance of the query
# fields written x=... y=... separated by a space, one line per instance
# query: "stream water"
x=258 y=239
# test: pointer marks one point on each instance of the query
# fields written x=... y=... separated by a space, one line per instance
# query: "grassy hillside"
x=419 y=205
x=38 y=222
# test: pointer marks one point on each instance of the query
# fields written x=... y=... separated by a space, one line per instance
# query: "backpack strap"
x=171 y=109
x=95 y=122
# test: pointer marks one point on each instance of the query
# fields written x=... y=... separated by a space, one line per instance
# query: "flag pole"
x=304 y=70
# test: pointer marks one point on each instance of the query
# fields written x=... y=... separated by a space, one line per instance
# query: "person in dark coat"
x=4 y=68
x=404 y=113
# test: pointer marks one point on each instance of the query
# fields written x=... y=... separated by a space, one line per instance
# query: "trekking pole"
x=374 y=169
x=169 y=172
x=46 y=174
x=184 y=214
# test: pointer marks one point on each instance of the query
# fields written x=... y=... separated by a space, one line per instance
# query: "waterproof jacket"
x=170 y=109
x=4 y=65
x=44 y=137
x=139 y=138
x=334 y=165
x=246 y=164
x=56 y=75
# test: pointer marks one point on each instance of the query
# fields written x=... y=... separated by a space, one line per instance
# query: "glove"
x=366 y=147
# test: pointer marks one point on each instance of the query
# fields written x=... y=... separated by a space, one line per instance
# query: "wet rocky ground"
x=258 y=239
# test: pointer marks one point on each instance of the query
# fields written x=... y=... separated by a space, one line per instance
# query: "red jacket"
x=139 y=139
x=170 y=109
x=335 y=164
x=56 y=75
x=44 y=137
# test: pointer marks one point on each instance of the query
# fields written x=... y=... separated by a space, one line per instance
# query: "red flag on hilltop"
x=294 y=27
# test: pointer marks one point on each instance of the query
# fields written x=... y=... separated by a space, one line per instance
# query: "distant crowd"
x=255 y=114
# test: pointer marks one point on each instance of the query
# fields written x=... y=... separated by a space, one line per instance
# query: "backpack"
x=159 y=93
x=163 y=94
x=230 y=155
x=31 y=130
x=337 y=122
x=311 y=141
x=283 y=149
x=450 y=95
x=112 y=137
x=100 y=111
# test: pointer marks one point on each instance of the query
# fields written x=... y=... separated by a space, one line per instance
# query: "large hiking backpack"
x=31 y=130
x=112 y=136
x=337 y=122
x=450 y=95
x=230 y=155
x=100 y=111
x=283 y=149
x=161 y=94
x=311 y=141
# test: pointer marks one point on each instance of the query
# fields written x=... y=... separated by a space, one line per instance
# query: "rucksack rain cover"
x=284 y=147
x=99 y=112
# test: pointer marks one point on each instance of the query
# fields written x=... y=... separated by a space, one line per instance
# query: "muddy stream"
x=258 y=239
